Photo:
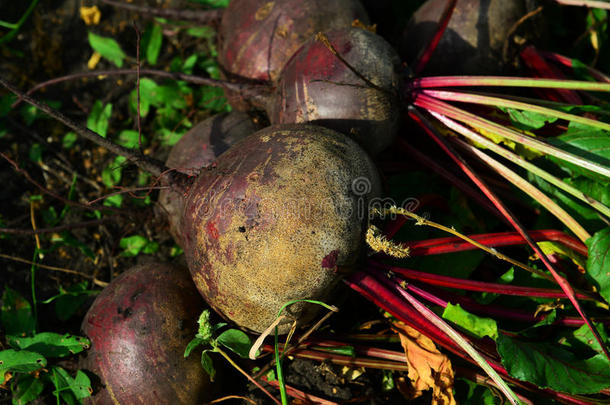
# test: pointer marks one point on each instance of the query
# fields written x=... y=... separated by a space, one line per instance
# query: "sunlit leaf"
x=108 y=48
x=598 y=262
x=548 y=366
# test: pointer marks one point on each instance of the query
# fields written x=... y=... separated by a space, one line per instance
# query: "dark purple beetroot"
x=257 y=37
x=197 y=149
x=317 y=87
x=473 y=41
x=277 y=219
x=139 y=327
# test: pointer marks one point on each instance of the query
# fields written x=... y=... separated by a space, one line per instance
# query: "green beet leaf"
x=16 y=314
x=71 y=390
x=51 y=344
x=27 y=389
x=551 y=367
x=582 y=140
x=476 y=325
x=20 y=361
x=598 y=262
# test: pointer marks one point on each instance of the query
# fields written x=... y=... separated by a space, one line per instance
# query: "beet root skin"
x=139 y=327
x=274 y=221
x=473 y=41
x=198 y=148
x=257 y=37
x=317 y=87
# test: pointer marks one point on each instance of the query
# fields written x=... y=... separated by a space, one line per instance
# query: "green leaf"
x=528 y=120
x=112 y=174
x=213 y=3
x=16 y=315
x=6 y=102
x=99 y=118
x=68 y=239
x=114 y=201
x=152 y=41
x=36 y=153
x=51 y=344
x=27 y=389
x=192 y=345
x=208 y=365
x=550 y=367
x=130 y=138
x=71 y=300
x=136 y=244
x=476 y=325
x=71 y=390
x=584 y=336
x=22 y=361
x=236 y=341
x=582 y=140
x=108 y=48
x=147 y=88
x=598 y=262
x=213 y=98
x=201 y=32
x=69 y=140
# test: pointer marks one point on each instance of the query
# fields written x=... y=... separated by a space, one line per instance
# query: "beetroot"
x=139 y=327
x=317 y=87
x=197 y=149
x=257 y=37
x=473 y=41
x=276 y=219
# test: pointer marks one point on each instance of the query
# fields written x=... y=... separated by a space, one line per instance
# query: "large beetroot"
x=280 y=215
x=139 y=327
x=257 y=37
x=197 y=149
x=473 y=41
x=346 y=80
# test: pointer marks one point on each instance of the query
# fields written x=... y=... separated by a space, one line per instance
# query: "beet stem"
x=426 y=53
x=563 y=283
x=472 y=285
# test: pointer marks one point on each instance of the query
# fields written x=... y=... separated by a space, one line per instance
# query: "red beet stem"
x=455 y=244
x=568 y=62
x=426 y=53
x=471 y=285
x=563 y=283
x=541 y=68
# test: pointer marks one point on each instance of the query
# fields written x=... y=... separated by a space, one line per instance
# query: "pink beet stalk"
x=455 y=244
x=471 y=285
x=423 y=58
x=563 y=283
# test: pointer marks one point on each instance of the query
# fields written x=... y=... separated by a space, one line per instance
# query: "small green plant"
x=27 y=367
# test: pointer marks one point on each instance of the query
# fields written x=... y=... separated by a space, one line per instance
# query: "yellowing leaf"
x=94 y=60
x=549 y=248
x=428 y=368
x=90 y=15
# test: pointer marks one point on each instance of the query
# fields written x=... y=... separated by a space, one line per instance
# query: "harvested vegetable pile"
x=356 y=228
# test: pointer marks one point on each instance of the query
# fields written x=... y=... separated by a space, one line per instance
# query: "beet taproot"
x=357 y=98
x=257 y=37
x=139 y=326
x=473 y=41
x=198 y=148
x=281 y=214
